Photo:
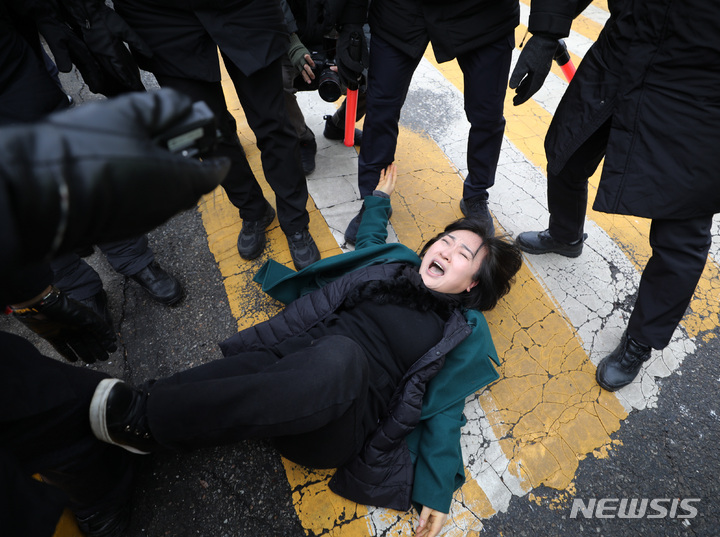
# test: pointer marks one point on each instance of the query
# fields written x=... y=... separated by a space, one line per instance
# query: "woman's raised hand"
x=388 y=178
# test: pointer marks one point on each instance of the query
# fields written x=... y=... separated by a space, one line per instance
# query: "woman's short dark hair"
x=497 y=271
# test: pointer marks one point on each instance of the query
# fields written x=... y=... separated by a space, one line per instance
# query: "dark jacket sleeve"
x=553 y=17
x=354 y=12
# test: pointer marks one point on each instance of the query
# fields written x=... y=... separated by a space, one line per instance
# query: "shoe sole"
x=98 y=415
x=535 y=251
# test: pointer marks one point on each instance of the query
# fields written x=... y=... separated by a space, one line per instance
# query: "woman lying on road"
x=366 y=370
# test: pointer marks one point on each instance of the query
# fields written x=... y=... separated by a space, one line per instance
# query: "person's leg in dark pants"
x=134 y=258
x=315 y=392
x=128 y=256
x=261 y=96
x=306 y=137
x=485 y=73
x=45 y=428
x=241 y=186
x=567 y=193
x=679 y=253
x=568 y=190
x=262 y=99
x=667 y=284
x=389 y=78
x=260 y=395
x=72 y=275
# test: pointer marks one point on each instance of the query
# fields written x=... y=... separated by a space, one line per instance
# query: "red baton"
x=562 y=57
x=350 y=112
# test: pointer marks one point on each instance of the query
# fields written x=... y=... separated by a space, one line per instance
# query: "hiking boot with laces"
x=118 y=416
x=622 y=365
x=303 y=250
x=251 y=240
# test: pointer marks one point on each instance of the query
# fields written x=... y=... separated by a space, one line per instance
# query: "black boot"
x=333 y=132
x=477 y=208
x=162 y=286
x=541 y=242
x=622 y=365
x=118 y=416
x=251 y=240
x=303 y=250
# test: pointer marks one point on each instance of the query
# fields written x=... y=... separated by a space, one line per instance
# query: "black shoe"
x=118 y=416
x=251 y=240
x=98 y=303
x=622 y=365
x=159 y=284
x=307 y=155
x=303 y=250
x=332 y=132
x=109 y=522
x=540 y=242
x=477 y=208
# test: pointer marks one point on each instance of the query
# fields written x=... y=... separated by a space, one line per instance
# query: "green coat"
x=435 y=443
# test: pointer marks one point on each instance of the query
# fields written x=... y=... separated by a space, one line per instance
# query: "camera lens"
x=329 y=86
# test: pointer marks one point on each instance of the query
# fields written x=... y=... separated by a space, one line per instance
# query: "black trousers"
x=261 y=96
x=485 y=71
x=44 y=429
x=79 y=280
x=679 y=247
x=309 y=396
x=27 y=91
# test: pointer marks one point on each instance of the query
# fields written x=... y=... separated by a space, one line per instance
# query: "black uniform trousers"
x=308 y=395
x=79 y=280
x=261 y=96
x=485 y=71
x=45 y=429
x=679 y=247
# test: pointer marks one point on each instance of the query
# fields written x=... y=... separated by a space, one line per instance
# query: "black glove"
x=105 y=34
x=352 y=54
x=66 y=46
x=93 y=174
x=532 y=67
x=74 y=330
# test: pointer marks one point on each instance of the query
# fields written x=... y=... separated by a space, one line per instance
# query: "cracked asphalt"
x=541 y=439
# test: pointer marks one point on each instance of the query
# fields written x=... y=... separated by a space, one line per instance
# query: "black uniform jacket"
x=654 y=72
x=184 y=35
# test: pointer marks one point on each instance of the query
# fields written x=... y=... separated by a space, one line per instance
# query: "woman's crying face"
x=449 y=265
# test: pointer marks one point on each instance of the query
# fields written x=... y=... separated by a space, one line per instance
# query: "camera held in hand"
x=196 y=136
x=327 y=82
